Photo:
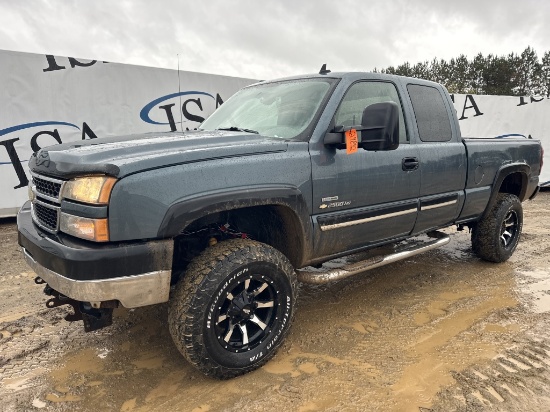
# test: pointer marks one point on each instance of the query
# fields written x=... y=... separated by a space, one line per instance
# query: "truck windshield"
x=282 y=109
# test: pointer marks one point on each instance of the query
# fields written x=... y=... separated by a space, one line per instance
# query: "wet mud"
x=441 y=331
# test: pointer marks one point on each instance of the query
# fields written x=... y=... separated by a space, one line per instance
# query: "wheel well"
x=515 y=184
x=274 y=225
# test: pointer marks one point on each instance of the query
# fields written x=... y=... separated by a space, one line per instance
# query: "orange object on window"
x=352 y=143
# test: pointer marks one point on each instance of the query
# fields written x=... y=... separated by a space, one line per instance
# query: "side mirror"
x=380 y=127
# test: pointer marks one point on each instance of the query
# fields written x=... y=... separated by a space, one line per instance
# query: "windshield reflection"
x=282 y=109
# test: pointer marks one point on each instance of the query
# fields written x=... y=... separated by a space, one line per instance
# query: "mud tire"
x=506 y=215
x=210 y=280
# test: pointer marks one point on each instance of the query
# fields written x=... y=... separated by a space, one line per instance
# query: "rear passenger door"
x=442 y=157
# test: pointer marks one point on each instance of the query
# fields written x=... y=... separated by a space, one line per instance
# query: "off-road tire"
x=496 y=235
x=205 y=295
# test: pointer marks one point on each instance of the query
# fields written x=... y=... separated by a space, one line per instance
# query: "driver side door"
x=366 y=197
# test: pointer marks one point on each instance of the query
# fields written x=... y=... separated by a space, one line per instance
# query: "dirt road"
x=441 y=331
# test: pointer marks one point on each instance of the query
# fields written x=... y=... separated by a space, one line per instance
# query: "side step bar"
x=319 y=278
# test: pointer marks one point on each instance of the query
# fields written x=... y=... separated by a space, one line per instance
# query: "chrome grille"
x=48 y=187
x=46 y=205
x=47 y=216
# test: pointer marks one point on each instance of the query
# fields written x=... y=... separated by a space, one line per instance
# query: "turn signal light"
x=96 y=230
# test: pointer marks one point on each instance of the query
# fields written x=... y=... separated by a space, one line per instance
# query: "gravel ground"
x=442 y=331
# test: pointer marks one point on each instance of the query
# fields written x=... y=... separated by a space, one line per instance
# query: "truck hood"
x=120 y=156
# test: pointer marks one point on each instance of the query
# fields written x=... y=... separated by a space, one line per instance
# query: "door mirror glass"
x=380 y=127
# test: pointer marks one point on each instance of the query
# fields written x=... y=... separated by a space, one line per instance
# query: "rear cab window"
x=432 y=118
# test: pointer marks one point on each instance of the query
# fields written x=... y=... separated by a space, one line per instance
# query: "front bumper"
x=136 y=274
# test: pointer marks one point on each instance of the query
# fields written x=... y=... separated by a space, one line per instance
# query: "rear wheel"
x=496 y=236
x=233 y=307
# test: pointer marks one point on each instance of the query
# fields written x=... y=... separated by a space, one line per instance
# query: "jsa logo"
x=47 y=134
x=53 y=64
x=195 y=102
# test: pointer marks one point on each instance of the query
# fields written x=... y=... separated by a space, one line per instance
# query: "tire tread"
x=485 y=243
x=193 y=292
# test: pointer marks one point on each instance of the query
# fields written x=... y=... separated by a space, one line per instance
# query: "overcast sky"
x=267 y=39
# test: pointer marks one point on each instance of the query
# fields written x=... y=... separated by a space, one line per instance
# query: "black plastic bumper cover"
x=82 y=260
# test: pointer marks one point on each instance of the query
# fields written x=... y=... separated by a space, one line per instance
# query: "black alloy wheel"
x=233 y=307
x=246 y=314
x=509 y=228
x=496 y=236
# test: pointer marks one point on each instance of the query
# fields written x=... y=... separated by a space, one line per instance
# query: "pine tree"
x=458 y=75
x=517 y=75
x=528 y=73
x=476 y=74
x=440 y=71
x=404 y=70
x=545 y=75
x=498 y=76
x=421 y=71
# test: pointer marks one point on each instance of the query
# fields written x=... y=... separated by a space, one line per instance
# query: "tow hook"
x=57 y=299
x=94 y=318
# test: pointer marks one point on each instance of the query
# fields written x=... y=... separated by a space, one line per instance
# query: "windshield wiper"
x=237 y=129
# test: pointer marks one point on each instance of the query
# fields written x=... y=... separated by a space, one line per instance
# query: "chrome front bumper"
x=132 y=291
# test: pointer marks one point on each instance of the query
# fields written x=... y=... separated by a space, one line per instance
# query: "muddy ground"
x=441 y=331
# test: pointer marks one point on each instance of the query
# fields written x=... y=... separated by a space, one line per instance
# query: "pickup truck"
x=224 y=221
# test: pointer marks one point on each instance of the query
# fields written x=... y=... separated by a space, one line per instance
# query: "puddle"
x=85 y=361
x=495 y=328
x=535 y=285
x=23 y=382
x=296 y=362
x=149 y=361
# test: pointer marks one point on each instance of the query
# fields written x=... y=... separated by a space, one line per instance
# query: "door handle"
x=410 y=163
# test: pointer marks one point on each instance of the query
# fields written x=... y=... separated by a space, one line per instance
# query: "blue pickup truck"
x=223 y=221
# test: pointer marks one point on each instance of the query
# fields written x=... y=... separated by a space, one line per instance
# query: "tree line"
x=512 y=75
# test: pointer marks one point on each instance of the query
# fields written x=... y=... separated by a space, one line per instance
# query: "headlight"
x=92 y=189
x=85 y=228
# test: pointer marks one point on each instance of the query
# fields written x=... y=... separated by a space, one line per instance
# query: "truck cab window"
x=363 y=94
x=432 y=118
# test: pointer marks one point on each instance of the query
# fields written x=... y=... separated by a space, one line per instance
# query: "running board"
x=319 y=278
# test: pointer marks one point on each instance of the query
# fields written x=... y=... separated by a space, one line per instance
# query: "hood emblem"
x=43 y=158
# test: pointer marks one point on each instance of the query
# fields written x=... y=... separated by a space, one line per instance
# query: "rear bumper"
x=136 y=274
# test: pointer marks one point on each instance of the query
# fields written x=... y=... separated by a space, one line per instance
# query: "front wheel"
x=233 y=308
x=496 y=236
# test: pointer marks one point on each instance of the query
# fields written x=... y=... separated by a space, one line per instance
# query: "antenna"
x=179 y=92
x=324 y=69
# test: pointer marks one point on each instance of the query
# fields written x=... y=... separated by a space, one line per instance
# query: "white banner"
x=47 y=100
x=506 y=116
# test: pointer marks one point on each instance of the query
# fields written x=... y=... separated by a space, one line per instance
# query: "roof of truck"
x=352 y=76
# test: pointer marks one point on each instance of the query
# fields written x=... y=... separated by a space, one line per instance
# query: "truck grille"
x=46 y=206
x=46 y=216
x=47 y=187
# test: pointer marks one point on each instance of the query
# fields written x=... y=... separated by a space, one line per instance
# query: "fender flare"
x=182 y=213
x=503 y=173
